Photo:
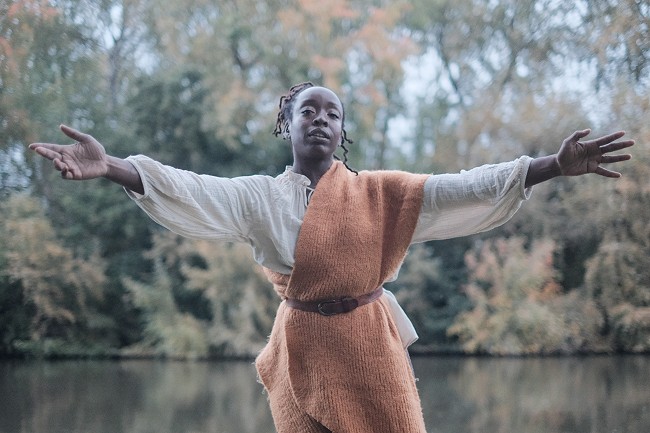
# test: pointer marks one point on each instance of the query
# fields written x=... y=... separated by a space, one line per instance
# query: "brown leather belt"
x=332 y=307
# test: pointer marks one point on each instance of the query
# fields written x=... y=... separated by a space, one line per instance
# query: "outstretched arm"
x=577 y=157
x=87 y=159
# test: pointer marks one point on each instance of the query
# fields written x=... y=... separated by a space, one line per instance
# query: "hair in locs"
x=284 y=116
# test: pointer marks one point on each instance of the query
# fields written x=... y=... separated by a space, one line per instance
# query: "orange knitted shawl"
x=354 y=236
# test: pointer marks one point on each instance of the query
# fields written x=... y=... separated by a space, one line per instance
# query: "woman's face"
x=316 y=124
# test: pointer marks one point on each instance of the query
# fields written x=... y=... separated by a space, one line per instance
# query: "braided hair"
x=284 y=116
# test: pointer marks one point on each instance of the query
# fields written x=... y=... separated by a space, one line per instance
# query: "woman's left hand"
x=577 y=157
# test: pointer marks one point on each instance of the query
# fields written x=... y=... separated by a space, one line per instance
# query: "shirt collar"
x=293 y=177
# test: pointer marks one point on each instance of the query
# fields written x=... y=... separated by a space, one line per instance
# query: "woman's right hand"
x=85 y=159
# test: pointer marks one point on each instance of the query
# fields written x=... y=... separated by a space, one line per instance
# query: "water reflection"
x=595 y=394
x=599 y=394
x=132 y=396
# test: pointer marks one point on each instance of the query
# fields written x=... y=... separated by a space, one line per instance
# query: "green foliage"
x=431 y=86
x=618 y=279
x=617 y=276
x=202 y=274
x=14 y=322
x=517 y=308
x=167 y=332
x=427 y=290
x=243 y=302
x=59 y=292
x=172 y=121
x=617 y=34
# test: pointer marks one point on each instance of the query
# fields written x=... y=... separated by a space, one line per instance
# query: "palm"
x=85 y=159
x=581 y=157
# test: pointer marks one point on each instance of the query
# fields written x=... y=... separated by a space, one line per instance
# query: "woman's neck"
x=313 y=171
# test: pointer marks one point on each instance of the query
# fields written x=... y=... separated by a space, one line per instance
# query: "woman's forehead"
x=321 y=94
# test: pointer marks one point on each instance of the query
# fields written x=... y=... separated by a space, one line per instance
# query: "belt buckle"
x=348 y=304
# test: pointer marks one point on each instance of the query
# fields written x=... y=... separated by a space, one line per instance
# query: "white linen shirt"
x=267 y=212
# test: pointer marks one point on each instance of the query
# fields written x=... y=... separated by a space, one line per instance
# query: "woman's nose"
x=320 y=119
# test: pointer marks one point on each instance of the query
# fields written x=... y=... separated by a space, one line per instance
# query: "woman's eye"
x=334 y=115
x=307 y=112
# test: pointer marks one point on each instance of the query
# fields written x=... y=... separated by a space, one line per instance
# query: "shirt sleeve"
x=472 y=201
x=193 y=205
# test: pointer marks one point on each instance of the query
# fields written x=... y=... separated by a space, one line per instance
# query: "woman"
x=328 y=238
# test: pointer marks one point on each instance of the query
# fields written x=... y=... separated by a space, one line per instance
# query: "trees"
x=58 y=293
x=427 y=85
x=518 y=306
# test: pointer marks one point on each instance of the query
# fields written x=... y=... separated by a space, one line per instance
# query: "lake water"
x=573 y=395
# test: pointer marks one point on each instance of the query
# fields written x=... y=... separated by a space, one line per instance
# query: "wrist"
x=542 y=169
x=554 y=167
x=112 y=167
x=124 y=173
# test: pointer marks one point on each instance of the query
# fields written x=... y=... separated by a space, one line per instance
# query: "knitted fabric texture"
x=349 y=372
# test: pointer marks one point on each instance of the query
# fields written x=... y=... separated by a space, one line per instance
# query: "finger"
x=50 y=146
x=608 y=159
x=46 y=150
x=579 y=134
x=607 y=173
x=66 y=171
x=74 y=134
x=607 y=138
x=60 y=166
x=67 y=174
x=617 y=145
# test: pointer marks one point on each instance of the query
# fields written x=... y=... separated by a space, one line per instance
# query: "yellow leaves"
x=373 y=31
x=632 y=327
x=229 y=106
x=7 y=57
x=241 y=301
x=331 y=9
x=618 y=278
x=54 y=281
x=511 y=271
x=290 y=19
x=317 y=13
x=618 y=272
x=19 y=21
x=380 y=40
x=317 y=17
x=331 y=68
x=167 y=331
x=518 y=307
x=36 y=8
